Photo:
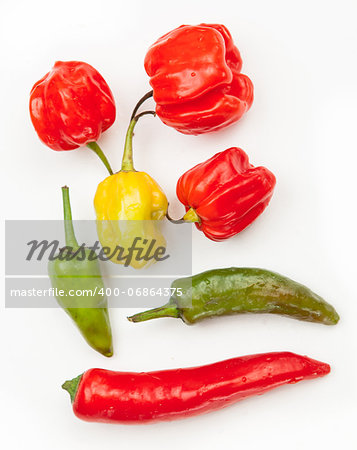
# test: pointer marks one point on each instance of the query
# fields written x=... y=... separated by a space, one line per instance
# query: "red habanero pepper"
x=195 y=75
x=127 y=397
x=71 y=106
x=225 y=194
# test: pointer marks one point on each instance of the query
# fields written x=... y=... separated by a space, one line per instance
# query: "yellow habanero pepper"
x=129 y=206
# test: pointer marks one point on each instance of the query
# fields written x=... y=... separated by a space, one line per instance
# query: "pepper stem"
x=71 y=240
x=189 y=217
x=127 y=164
x=71 y=386
x=98 y=151
x=168 y=310
x=140 y=102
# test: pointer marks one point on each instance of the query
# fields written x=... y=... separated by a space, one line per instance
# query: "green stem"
x=140 y=102
x=190 y=217
x=71 y=386
x=98 y=151
x=168 y=310
x=127 y=164
x=71 y=240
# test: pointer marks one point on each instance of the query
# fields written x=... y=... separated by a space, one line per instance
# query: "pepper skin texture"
x=127 y=397
x=195 y=75
x=225 y=194
x=71 y=106
x=221 y=292
x=89 y=313
x=129 y=205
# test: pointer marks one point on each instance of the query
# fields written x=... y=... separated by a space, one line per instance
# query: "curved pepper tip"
x=317 y=368
x=105 y=350
x=308 y=368
x=324 y=369
x=108 y=353
x=335 y=319
x=332 y=318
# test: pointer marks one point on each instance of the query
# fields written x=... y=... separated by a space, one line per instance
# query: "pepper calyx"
x=191 y=216
x=71 y=386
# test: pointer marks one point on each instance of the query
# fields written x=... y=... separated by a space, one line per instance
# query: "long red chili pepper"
x=128 y=397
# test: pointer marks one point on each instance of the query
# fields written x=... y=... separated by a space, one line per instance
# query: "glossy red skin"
x=195 y=75
x=226 y=192
x=71 y=106
x=128 y=397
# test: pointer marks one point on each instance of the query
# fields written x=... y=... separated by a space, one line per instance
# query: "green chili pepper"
x=234 y=290
x=78 y=276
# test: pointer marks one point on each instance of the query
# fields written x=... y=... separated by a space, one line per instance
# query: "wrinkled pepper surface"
x=89 y=312
x=234 y=290
x=130 y=205
x=195 y=75
x=225 y=194
x=101 y=395
x=71 y=106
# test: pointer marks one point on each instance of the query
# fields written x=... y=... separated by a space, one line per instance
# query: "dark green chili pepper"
x=234 y=290
x=77 y=274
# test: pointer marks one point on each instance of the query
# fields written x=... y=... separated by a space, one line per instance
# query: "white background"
x=301 y=57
